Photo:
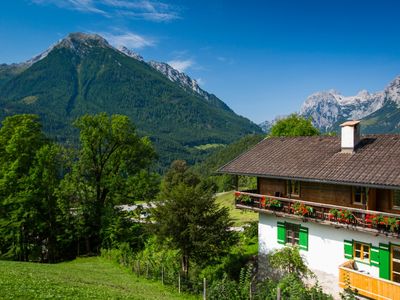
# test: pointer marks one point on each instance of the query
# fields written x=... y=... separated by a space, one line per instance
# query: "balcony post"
x=236 y=182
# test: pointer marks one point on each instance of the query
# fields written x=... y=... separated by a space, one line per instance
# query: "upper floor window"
x=359 y=195
x=293 y=188
x=396 y=199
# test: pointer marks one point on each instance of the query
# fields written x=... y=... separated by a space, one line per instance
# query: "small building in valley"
x=337 y=198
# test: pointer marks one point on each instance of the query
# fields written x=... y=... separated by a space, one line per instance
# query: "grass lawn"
x=83 y=278
x=239 y=216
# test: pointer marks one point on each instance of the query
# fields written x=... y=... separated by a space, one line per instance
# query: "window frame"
x=363 y=195
x=362 y=259
x=295 y=229
x=393 y=196
x=290 y=184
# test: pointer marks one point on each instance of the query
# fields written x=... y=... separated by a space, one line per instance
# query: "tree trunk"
x=185 y=265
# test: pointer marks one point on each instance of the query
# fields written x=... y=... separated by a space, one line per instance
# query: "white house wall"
x=325 y=243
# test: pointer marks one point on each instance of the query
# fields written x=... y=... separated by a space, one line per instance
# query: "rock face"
x=186 y=83
x=328 y=109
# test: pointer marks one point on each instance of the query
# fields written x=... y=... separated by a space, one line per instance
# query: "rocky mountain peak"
x=81 y=42
x=130 y=53
x=392 y=91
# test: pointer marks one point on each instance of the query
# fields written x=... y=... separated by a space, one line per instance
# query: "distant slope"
x=222 y=156
x=83 y=278
x=84 y=74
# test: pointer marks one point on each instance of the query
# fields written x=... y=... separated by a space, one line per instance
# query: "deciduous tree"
x=293 y=125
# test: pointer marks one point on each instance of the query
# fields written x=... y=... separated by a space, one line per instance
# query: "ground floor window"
x=293 y=234
x=396 y=263
x=362 y=252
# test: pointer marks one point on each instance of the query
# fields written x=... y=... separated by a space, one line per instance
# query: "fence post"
x=204 y=289
x=250 y=296
x=147 y=270
x=162 y=274
x=278 y=293
x=179 y=282
x=138 y=267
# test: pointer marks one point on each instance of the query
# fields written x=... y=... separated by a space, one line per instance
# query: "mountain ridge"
x=379 y=112
x=87 y=75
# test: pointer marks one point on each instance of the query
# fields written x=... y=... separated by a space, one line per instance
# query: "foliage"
x=30 y=170
x=112 y=156
x=189 y=220
x=227 y=289
x=220 y=157
x=293 y=125
x=83 y=278
x=289 y=261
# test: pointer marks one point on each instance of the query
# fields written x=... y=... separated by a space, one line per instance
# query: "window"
x=359 y=195
x=293 y=188
x=396 y=263
x=396 y=199
x=361 y=252
x=292 y=233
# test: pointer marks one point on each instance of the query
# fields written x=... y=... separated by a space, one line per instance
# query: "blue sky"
x=263 y=58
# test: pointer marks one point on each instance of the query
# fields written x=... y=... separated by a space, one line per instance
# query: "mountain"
x=379 y=111
x=187 y=83
x=83 y=73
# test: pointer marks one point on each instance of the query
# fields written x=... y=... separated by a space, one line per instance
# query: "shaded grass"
x=83 y=278
x=239 y=216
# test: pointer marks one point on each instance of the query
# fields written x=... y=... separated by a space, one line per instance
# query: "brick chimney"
x=350 y=136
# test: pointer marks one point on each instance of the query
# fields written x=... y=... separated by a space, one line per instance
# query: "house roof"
x=375 y=162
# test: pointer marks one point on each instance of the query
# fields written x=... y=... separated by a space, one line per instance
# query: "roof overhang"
x=369 y=185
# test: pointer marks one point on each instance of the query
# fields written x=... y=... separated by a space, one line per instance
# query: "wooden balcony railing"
x=367 y=285
x=366 y=220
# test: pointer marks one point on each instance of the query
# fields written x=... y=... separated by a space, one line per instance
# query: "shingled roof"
x=375 y=162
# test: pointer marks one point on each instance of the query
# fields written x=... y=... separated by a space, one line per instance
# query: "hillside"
x=224 y=155
x=84 y=74
x=83 y=278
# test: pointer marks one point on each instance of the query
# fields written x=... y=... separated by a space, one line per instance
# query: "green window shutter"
x=348 y=249
x=303 y=238
x=281 y=233
x=384 y=261
x=374 y=256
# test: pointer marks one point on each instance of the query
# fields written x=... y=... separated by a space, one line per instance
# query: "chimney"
x=350 y=136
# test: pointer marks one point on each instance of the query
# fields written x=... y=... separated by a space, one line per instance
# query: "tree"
x=289 y=261
x=189 y=220
x=29 y=175
x=293 y=125
x=111 y=155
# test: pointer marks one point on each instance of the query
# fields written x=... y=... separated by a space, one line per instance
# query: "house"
x=338 y=198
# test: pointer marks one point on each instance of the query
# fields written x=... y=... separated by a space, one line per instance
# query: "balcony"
x=374 y=222
x=365 y=284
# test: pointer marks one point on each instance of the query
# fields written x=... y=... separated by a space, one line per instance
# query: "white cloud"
x=88 y=6
x=181 y=65
x=137 y=9
x=128 y=39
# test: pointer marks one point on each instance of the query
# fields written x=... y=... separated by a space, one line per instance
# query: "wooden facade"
x=340 y=195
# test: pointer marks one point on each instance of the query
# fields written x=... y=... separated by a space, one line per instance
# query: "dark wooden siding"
x=341 y=195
